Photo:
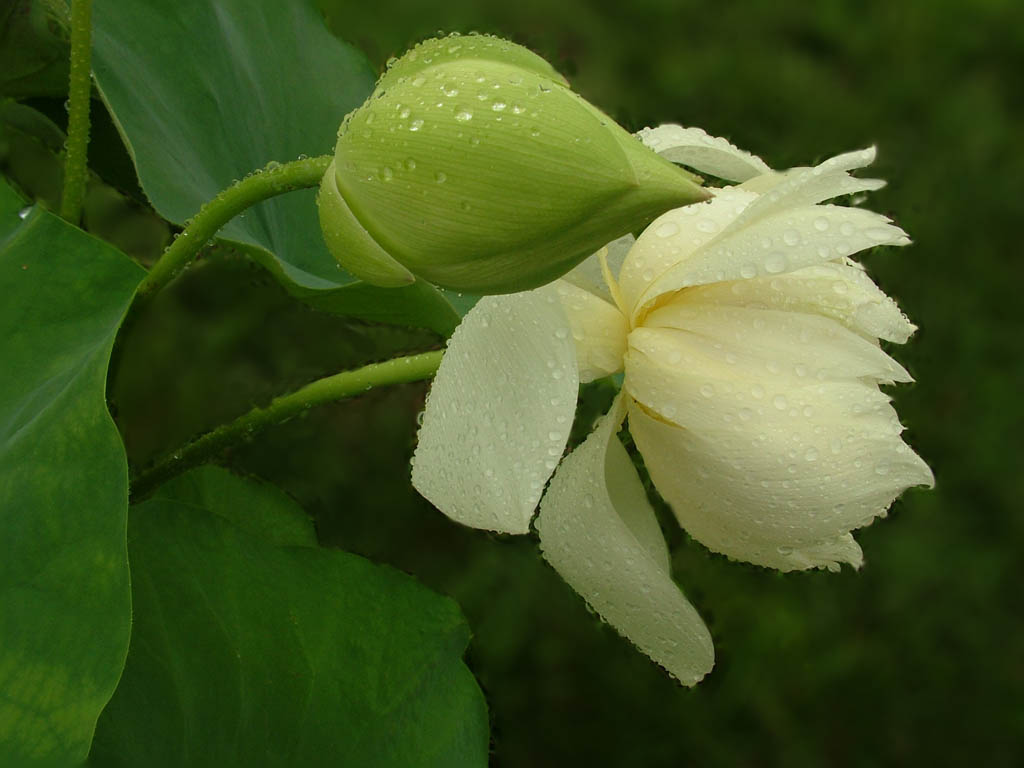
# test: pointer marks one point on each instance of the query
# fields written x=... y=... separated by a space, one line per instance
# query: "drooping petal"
x=768 y=454
x=499 y=411
x=598 y=329
x=694 y=148
x=599 y=532
x=771 y=245
x=838 y=289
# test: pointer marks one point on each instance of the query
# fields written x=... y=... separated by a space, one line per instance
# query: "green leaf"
x=64 y=593
x=34 y=48
x=249 y=653
x=207 y=91
x=258 y=508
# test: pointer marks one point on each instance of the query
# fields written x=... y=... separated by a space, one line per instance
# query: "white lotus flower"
x=749 y=344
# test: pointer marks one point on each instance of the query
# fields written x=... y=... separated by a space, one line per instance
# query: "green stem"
x=79 y=91
x=275 y=179
x=336 y=387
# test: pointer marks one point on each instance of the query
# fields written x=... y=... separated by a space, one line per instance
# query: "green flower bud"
x=474 y=167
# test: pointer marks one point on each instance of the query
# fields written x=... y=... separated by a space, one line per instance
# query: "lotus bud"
x=474 y=167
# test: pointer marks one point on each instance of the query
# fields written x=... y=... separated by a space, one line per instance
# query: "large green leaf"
x=206 y=91
x=64 y=593
x=247 y=652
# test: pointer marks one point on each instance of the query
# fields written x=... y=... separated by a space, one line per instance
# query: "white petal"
x=768 y=342
x=589 y=274
x=808 y=186
x=771 y=245
x=675 y=238
x=615 y=558
x=840 y=290
x=499 y=411
x=761 y=449
x=598 y=329
x=767 y=495
x=694 y=148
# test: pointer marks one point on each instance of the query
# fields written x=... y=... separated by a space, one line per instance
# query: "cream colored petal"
x=694 y=148
x=755 y=449
x=584 y=535
x=675 y=239
x=598 y=330
x=773 y=245
x=588 y=274
x=838 y=289
x=799 y=187
x=771 y=341
x=499 y=412
x=629 y=499
x=768 y=495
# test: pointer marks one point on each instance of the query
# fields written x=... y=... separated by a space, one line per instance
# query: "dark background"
x=916 y=659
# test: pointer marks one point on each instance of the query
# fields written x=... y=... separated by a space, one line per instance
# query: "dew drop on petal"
x=667 y=229
x=775 y=263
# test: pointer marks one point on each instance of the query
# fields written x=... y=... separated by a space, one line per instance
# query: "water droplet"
x=846 y=229
x=707 y=390
x=450 y=90
x=811 y=454
x=24 y=212
x=757 y=391
x=840 y=287
x=554 y=436
x=418 y=81
x=780 y=403
x=410 y=164
x=404 y=113
x=498 y=106
x=386 y=174
x=440 y=177
x=667 y=229
x=748 y=271
x=882 y=468
x=821 y=224
x=775 y=263
x=463 y=115
x=707 y=225
x=791 y=237
x=415 y=125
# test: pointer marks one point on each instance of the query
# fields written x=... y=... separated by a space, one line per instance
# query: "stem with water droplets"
x=275 y=179
x=337 y=387
x=79 y=91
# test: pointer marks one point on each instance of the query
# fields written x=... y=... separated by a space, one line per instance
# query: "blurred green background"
x=916 y=659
